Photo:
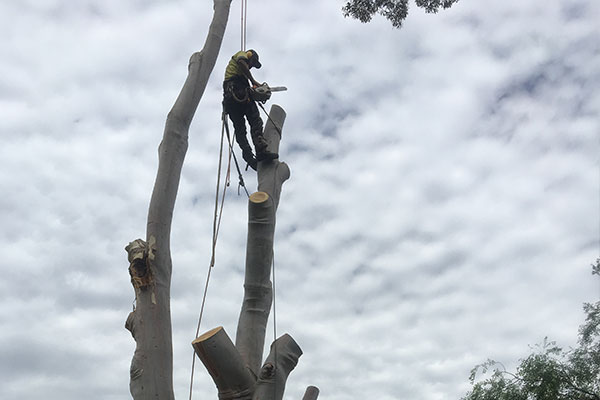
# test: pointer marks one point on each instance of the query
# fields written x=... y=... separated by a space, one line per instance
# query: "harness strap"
x=229 y=86
x=237 y=166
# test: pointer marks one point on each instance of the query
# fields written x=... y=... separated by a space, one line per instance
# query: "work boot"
x=266 y=155
x=250 y=159
x=261 y=150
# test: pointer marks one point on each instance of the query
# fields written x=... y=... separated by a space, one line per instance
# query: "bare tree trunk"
x=150 y=323
x=272 y=175
x=256 y=306
x=262 y=206
x=270 y=380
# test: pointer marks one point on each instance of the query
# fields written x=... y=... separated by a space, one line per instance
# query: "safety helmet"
x=254 y=59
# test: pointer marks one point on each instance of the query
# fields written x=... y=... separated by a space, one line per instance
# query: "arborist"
x=238 y=103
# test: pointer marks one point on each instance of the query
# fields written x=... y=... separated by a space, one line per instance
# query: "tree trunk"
x=262 y=206
x=256 y=305
x=150 y=268
x=272 y=175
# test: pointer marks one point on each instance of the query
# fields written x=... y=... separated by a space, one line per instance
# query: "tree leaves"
x=549 y=373
x=394 y=10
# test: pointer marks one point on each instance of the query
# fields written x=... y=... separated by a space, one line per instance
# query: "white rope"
x=274 y=326
x=244 y=18
x=216 y=226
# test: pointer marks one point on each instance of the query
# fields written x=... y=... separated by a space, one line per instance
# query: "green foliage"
x=549 y=372
x=394 y=10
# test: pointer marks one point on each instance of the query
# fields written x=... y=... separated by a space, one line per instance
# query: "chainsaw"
x=263 y=92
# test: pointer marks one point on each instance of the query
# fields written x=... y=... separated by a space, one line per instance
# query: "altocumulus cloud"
x=443 y=205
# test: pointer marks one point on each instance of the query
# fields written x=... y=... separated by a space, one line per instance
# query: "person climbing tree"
x=238 y=103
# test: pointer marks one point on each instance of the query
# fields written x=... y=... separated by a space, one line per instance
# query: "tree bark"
x=282 y=359
x=218 y=356
x=224 y=364
x=262 y=205
x=150 y=323
x=272 y=175
x=312 y=393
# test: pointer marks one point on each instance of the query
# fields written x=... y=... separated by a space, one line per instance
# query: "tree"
x=550 y=372
x=394 y=10
x=236 y=369
x=151 y=373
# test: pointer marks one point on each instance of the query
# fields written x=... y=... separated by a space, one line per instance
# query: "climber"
x=238 y=103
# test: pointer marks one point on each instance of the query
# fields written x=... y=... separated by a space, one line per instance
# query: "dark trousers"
x=238 y=106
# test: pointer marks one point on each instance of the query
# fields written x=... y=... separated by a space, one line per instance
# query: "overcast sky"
x=443 y=206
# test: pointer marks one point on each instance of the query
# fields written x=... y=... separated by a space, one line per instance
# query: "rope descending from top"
x=231 y=152
x=277 y=128
x=218 y=213
x=243 y=27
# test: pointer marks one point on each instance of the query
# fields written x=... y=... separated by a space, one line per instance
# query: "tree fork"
x=256 y=305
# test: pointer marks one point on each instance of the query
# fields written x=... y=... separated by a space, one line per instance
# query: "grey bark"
x=272 y=175
x=224 y=364
x=282 y=359
x=312 y=393
x=262 y=206
x=150 y=323
x=256 y=305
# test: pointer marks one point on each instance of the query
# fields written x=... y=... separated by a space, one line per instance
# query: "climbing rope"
x=274 y=327
x=218 y=210
x=278 y=129
x=244 y=16
x=237 y=166
x=218 y=213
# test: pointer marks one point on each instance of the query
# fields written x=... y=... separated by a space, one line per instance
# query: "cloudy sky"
x=443 y=206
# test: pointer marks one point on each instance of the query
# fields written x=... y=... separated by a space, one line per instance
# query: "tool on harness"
x=263 y=92
x=238 y=92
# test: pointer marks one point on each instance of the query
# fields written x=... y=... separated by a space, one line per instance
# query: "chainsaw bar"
x=277 y=88
x=263 y=92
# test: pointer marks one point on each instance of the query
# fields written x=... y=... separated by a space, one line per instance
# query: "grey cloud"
x=442 y=207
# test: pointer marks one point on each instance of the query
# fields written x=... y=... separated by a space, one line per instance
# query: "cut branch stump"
x=224 y=364
x=312 y=393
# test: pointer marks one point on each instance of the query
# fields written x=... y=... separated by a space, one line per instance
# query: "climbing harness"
x=259 y=94
x=239 y=94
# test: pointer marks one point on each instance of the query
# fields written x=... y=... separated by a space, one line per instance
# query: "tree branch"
x=312 y=393
x=282 y=359
x=224 y=364
x=151 y=374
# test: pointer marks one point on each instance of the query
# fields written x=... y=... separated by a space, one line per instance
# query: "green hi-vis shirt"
x=233 y=68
